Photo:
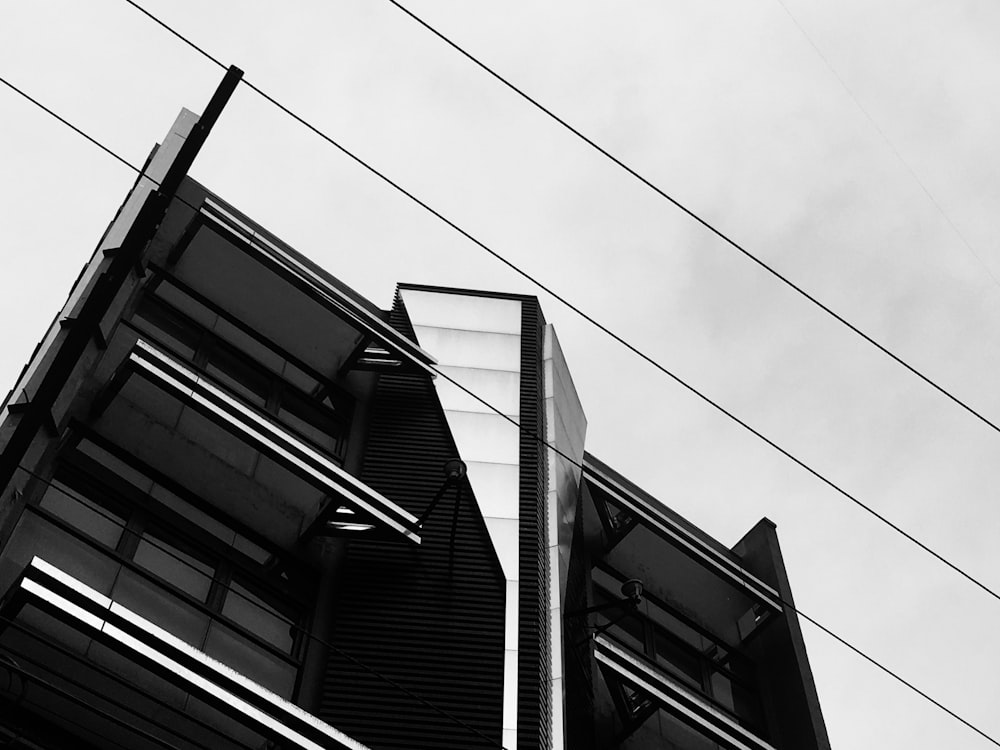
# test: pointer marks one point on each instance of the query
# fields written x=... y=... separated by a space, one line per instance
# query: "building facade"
x=244 y=507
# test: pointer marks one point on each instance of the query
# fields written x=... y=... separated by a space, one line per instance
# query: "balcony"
x=88 y=667
x=641 y=687
x=244 y=461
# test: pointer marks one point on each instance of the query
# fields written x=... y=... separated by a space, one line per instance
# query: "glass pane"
x=251 y=660
x=299 y=378
x=115 y=464
x=198 y=517
x=184 y=571
x=188 y=306
x=311 y=420
x=628 y=631
x=36 y=536
x=722 y=689
x=92 y=519
x=254 y=551
x=259 y=617
x=158 y=605
x=248 y=345
x=678 y=659
x=677 y=627
x=239 y=374
x=746 y=704
x=168 y=328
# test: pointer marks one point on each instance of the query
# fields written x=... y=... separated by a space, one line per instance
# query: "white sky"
x=727 y=106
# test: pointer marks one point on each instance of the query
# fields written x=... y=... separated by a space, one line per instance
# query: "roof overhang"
x=682 y=538
x=288 y=265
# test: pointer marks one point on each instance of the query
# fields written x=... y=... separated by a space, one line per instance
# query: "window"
x=309 y=405
x=684 y=651
x=206 y=583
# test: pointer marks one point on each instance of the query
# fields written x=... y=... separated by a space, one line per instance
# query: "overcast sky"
x=851 y=144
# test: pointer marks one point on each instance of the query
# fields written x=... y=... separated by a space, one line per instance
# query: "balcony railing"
x=354 y=500
x=93 y=614
x=623 y=667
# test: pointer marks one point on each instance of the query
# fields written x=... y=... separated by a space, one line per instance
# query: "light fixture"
x=632 y=590
x=454 y=472
x=455 y=469
x=631 y=598
x=349 y=526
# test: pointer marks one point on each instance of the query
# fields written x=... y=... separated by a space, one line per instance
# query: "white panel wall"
x=477 y=341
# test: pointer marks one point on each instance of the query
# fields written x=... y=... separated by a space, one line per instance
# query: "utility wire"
x=162 y=547
x=322 y=642
x=600 y=326
x=74 y=495
x=541 y=440
x=710 y=227
x=783 y=602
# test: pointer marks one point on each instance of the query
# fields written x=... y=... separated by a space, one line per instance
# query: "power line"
x=689 y=212
x=542 y=441
x=170 y=552
x=152 y=540
x=322 y=642
x=600 y=326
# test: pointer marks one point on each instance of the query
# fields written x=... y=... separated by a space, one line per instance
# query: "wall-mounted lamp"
x=631 y=598
x=454 y=472
x=631 y=591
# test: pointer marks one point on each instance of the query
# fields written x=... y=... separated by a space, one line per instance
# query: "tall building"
x=244 y=507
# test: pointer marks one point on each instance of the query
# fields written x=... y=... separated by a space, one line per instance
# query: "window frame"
x=142 y=513
x=339 y=411
x=708 y=666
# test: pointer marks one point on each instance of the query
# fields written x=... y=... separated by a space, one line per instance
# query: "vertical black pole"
x=106 y=287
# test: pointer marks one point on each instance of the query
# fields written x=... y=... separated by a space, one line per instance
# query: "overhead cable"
x=542 y=441
x=600 y=326
x=705 y=223
x=337 y=650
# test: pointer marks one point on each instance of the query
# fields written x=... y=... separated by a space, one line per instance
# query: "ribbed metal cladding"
x=428 y=617
x=579 y=664
x=534 y=707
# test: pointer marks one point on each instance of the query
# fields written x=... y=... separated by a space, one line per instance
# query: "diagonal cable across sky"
x=589 y=318
x=844 y=642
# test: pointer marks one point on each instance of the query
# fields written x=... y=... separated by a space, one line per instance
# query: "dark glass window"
x=239 y=374
x=95 y=521
x=678 y=658
x=187 y=572
x=321 y=415
x=258 y=616
x=220 y=569
x=683 y=650
x=312 y=420
x=249 y=658
x=171 y=327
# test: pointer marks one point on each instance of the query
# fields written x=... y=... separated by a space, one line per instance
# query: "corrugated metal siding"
x=533 y=700
x=579 y=665
x=430 y=618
